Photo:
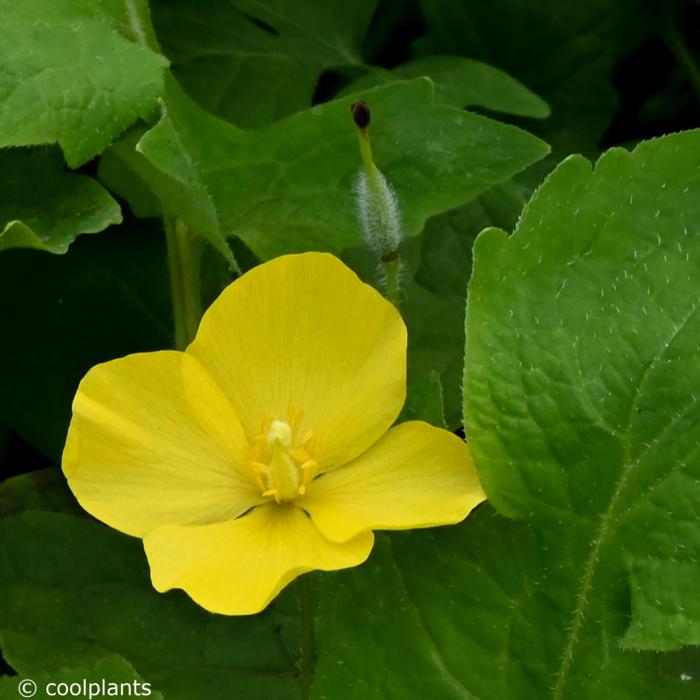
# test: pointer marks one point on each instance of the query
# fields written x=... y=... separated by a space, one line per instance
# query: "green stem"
x=392 y=278
x=308 y=652
x=367 y=159
x=184 y=258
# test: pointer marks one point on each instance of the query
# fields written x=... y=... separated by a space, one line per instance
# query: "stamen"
x=282 y=465
x=295 y=417
x=299 y=454
x=272 y=492
x=310 y=441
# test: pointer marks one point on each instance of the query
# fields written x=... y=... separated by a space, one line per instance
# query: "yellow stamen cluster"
x=282 y=459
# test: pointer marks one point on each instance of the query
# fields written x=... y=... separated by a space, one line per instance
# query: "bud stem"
x=371 y=169
x=392 y=279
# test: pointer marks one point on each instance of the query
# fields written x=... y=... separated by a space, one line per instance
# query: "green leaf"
x=108 y=296
x=385 y=653
x=290 y=187
x=71 y=76
x=73 y=591
x=580 y=380
x=44 y=207
x=253 y=63
x=113 y=674
x=461 y=82
x=563 y=50
x=464 y=612
x=665 y=605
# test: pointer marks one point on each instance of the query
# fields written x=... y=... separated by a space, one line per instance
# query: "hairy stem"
x=392 y=278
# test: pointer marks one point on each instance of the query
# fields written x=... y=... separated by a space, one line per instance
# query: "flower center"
x=282 y=459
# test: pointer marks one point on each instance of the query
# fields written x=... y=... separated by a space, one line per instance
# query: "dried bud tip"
x=361 y=114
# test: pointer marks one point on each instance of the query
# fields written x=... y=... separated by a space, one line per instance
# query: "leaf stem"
x=308 y=655
x=184 y=258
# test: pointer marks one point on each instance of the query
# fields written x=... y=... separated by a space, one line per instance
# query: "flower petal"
x=415 y=476
x=152 y=441
x=303 y=330
x=238 y=567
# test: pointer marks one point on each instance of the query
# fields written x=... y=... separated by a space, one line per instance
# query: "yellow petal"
x=303 y=330
x=415 y=476
x=152 y=441
x=238 y=567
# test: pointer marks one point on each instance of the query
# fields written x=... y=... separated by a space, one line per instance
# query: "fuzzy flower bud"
x=378 y=213
x=378 y=209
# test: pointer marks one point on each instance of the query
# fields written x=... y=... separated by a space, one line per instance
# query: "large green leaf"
x=290 y=187
x=580 y=389
x=72 y=75
x=564 y=50
x=470 y=612
x=73 y=591
x=253 y=62
x=43 y=207
x=461 y=82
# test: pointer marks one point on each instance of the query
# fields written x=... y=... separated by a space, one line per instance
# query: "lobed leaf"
x=580 y=401
x=73 y=76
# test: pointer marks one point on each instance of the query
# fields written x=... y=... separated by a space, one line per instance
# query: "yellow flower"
x=266 y=449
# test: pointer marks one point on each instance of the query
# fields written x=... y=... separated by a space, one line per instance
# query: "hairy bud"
x=378 y=213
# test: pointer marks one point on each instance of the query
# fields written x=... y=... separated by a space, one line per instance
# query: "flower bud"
x=378 y=213
x=378 y=210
